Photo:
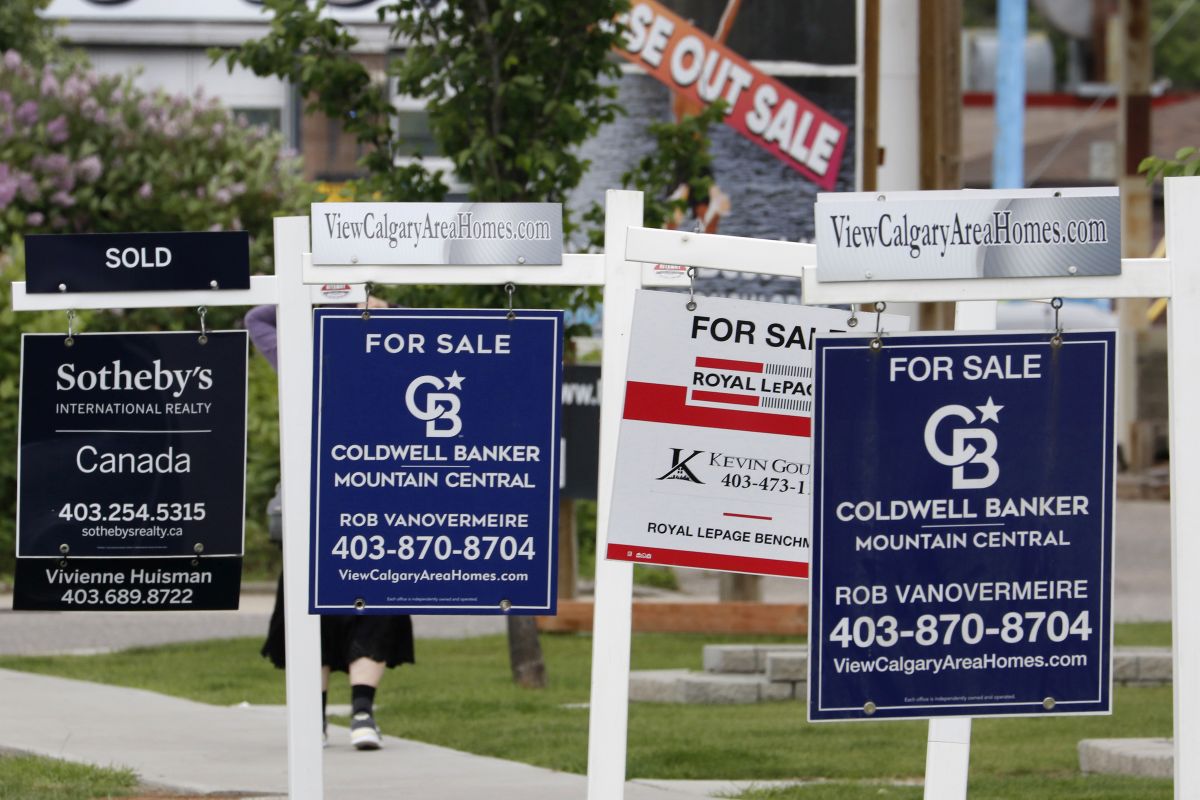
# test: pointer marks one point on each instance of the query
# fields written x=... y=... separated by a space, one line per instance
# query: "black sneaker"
x=364 y=733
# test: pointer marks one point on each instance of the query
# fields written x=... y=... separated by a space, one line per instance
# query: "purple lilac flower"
x=57 y=129
x=50 y=86
x=28 y=187
x=145 y=190
x=12 y=59
x=27 y=113
x=54 y=164
x=8 y=185
x=218 y=130
x=5 y=101
x=35 y=218
x=63 y=199
x=89 y=168
x=222 y=196
x=75 y=88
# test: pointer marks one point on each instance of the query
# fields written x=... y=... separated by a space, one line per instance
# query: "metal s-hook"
x=691 y=274
x=1057 y=339
x=203 y=337
x=366 y=313
x=877 y=342
x=511 y=289
x=70 y=340
x=853 y=321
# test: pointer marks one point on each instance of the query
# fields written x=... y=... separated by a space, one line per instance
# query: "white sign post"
x=296 y=273
x=1176 y=278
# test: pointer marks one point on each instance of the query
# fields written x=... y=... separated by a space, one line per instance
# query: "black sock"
x=362 y=698
x=324 y=701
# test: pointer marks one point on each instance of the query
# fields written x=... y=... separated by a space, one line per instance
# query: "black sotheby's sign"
x=132 y=470
x=137 y=262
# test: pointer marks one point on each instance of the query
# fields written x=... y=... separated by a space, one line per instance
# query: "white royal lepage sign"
x=714 y=453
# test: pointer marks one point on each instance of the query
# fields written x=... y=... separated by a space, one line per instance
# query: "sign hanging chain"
x=1056 y=340
x=511 y=288
x=203 y=337
x=877 y=342
x=70 y=340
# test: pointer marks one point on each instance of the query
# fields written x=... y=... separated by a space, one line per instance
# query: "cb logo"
x=963 y=444
x=439 y=409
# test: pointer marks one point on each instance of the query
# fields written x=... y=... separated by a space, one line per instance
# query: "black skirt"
x=347 y=638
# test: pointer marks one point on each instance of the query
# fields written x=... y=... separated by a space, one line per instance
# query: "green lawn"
x=33 y=778
x=460 y=695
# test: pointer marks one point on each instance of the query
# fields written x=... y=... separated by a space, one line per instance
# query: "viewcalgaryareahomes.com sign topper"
x=481 y=234
x=1027 y=233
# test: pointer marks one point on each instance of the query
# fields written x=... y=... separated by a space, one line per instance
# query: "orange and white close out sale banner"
x=789 y=126
x=714 y=453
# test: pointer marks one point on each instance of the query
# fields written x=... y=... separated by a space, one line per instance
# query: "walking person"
x=363 y=647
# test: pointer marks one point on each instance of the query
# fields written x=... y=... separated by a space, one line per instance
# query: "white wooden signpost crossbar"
x=1176 y=278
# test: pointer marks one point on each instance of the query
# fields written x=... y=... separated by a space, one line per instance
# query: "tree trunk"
x=736 y=586
x=525 y=653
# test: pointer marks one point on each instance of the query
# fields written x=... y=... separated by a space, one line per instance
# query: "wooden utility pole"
x=940 y=65
x=1133 y=142
x=872 y=156
x=940 y=91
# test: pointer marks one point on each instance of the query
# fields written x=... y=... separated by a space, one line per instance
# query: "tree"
x=1186 y=162
x=512 y=88
x=82 y=152
x=24 y=30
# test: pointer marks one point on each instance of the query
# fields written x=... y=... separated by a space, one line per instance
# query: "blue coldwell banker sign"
x=435 y=461
x=962 y=554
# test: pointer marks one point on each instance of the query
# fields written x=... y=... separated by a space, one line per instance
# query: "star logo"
x=454 y=380
x=989 y=411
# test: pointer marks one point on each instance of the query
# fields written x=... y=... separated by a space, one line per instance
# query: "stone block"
x=1146 y=758
x=657 y=685
x=1125 y=666
x=1154 y=665
x=772 y=691
x=791 y=666
x=711 y=689
x=731 y=658
x=767 y=649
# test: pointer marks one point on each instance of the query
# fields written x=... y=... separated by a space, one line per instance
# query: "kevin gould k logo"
x=680 y=471
x=439 y=406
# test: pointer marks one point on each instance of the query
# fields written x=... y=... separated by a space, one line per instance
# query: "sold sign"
x=790 y=127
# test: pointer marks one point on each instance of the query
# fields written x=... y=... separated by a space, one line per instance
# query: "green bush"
x=80 y=152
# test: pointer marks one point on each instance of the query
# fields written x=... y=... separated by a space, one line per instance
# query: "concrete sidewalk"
x=240 y=751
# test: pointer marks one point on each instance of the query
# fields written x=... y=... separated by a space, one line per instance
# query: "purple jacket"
x=260 y=322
